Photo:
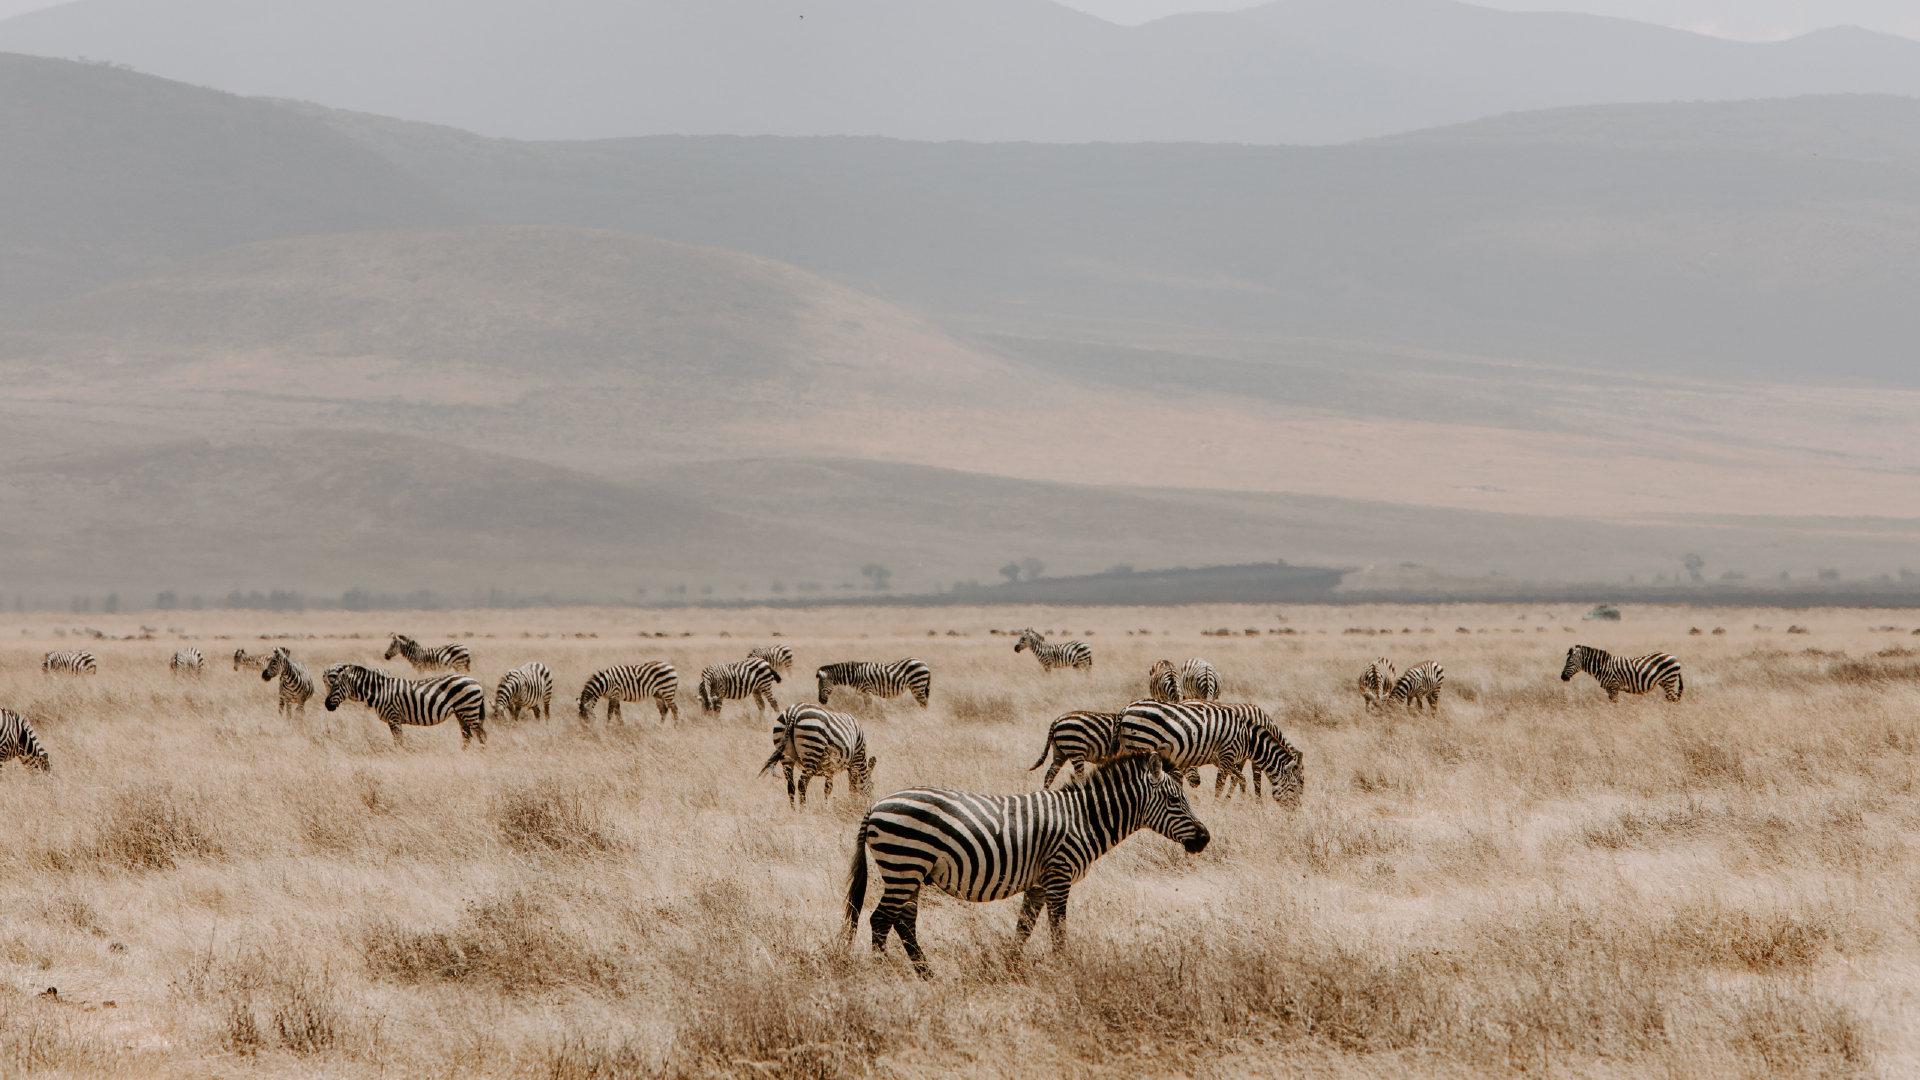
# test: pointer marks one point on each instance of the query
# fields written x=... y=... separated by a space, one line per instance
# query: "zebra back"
x=739 y=679
x=1194 y=733
x=780 y=657
x=1422 y=680
x=821 y=741
x=908 y=675
x=528 y=686
x=19 y=741
x=76 y=663
x=1199 y=680
x=1163 y=681
x=654 y=679
x=188 y=660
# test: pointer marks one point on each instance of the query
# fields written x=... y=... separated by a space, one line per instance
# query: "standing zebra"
x=1635 y=675
x=884 y=680
x=751 y=678
x=1377 y=681
x=654 y=679
x=453 y=657
x=1066 y=654
x=1195 y=733
x=244 y=659
x=990 y=847
x=416 y=702
x=1417 y=686
x=188 y=662
x=529 y=686
x=1193 y=680
x=1078 y=737
x=73 y=663
x=820 y=743
x=779 y=656
x=296 y=686
x=17 y=740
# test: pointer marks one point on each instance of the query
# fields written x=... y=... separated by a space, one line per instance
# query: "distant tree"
x=879 y=577
x=1033 y=568
x=779 y=588
x=197 y=602
x=706 y=590
x=167 y=601
x=1696 y=567
x=111 y=604
x=81 y=604
x=1829 y=574
x=1733 y=575
x=1011 y=572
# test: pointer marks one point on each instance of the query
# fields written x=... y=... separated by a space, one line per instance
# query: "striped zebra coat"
x=530 y=687
x=296 y=686
x=188 y=662
x=990 y=847
x=778 y=656
x=19 y=742
x=1634 y=674
x=820 y=743
x=883 y=680
x=412 y=702
x=1377 y=680
x=451 y=657
x=655 y=680
x=1190 y=734
x=1417 y=687
x=752 y=678
x=244 y=659
x=1193 y=680
x=1078 y=737
x=1066 y=654
x=69 y=663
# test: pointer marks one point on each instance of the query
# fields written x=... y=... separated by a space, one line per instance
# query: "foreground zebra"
x=296 y=686
x=188 y=662
x=654 y=679
x=884 y=680
x=820 y=743
x=453 y=657
x=1377 y=681
x=72 y=663
x=778 y=656
x=1417 y=687
x=18 y=741
x=244 y=659
x=990 y=847
x=1633 y=674
x=1078 y=737
x=1190 y=734
x=751 y=678
x=1193 y=680
x=529 y=686
x=1066 y=654
x=414 y=702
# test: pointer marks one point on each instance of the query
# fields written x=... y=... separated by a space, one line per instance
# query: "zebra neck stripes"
x=1634 y=675
x=19 y=742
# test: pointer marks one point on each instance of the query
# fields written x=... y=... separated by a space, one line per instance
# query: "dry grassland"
x=1531 y=882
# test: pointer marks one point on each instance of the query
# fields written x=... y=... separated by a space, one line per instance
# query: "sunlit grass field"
x=1531 y=881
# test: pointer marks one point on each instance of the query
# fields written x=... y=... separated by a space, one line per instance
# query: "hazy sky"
x=1747 y=19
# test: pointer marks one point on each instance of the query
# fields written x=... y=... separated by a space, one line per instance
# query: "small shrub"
x=537 y=819
x=153 y=828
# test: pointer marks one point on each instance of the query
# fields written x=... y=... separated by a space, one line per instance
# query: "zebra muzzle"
x=1197 y=843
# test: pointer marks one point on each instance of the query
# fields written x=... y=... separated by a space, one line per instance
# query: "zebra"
x=1195 y=733
x=73 y=663
x=780 y=657
x=654 y=679
x=1078 y=737
x=1163 y=681
x=1416 y=687
x=820 y=743
x=1066 y=654
x=17 y=740
x=1635 y=675
x=416 y=702
x=296 y=686
x=1193 y=680
x=1377 y=681
x=454 y=657
x=244 y=659
x=884 y=680
x=188 y=662
x=990 y=847
x=529 y=686
x=751 y=678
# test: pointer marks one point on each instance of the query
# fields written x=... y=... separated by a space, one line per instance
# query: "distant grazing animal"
x=1195 y=733
x=530 y=687
x=751 y=678
x=655 y=680
x=1635 y=675
x=188 y=662
x=296 y=686
x=244 y=659
x=990 y=847
x=413 y=702
x=1377 y=680
x=1066 y=654
x=820 y=743
x=17 y=740
x=884 y=680
x=1417 y=687
x=1078 y=737
x=72 y=663
x=779 y=656
x=452 y=657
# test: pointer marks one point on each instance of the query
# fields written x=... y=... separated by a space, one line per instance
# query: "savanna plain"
x=1531 y=881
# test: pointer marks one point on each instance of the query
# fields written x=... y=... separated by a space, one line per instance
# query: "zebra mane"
x=1116 y=764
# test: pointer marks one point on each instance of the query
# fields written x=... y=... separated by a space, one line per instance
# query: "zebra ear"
x=1156 y=765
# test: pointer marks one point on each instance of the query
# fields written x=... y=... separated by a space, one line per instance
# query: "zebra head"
x=1028 y=639
x=860 y=772
x=402 y=645
x=587 y=700
x=1282 y=762
x=341 y=680
x=824 y=677
x=274 y=664
x=1576 y=660
x=1161 y=800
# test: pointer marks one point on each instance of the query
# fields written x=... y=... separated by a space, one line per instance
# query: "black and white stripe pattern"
x=413 y=702
x=1066 y=654
x=1195 y=733
x=1377 y=680
x=71 y=663
x=1417 y=687
x=883 y=680
x=1633 y=674
x=244 y=659
x=1078 y=737
x=188 y=662
x=296 y=686
x=1163 y=681
x=529 y=686
x=778 y=656
x=655 y=680
x=752 y=678
x=1193 y=680
x=19 y=742
x=820 y=743
x=451 y=657
x=990 y=847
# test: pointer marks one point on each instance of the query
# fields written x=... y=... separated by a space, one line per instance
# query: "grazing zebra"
x=990 y=847
x=454 y=657
x=529 y=686
x=654 y=679
x=74 y=663
x=820 y=743
x=244 y=659
x=752 y=678
x=416 y=702
x=884 y=680
x=17 y=740
x=1066 y=654
x=1377 y=680
x=188 y=662
x=1193 y=680
x=779 y=656
x=1163 y=681
x=1078 y=737
x=1195 y=733
x=1635 y=674
x=296 y=686
x=1416 y=687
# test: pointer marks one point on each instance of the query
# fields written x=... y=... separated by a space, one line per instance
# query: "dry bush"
x=514 y=943
x=152 y=827
x=538 y=818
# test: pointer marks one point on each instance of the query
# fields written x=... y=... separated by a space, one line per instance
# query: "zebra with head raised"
x=820 y=743
x=1633 y=674
x=1078 y=737
x=296 y=686
x=414 y=702
x=71 y=663
x=530 y=687
x=779 y=657
x=18 y=740
x=751 y=678
x=1195 y=733
x=188 y=662
x=873 y=679
x=990 y=847
x=452 y=657
x=244 y=659
x=1065 y=654
x=1417 y=687
x=1377 y=681
x=655 y=680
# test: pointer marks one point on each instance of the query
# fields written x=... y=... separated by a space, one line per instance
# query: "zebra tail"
x=778 y=753
x=857 y=881
x=1045 y=749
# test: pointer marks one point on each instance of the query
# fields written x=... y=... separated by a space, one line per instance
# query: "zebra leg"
x=826 y=786
x=1613 y=695
x=1036 y=897
x=907 y=926
x=395 y=728
x=1079 y=771
x=1219 y=778
x=805 y=779
x=1054 y=770
x=613 y=712
x=1057 y=910
x=787 y=767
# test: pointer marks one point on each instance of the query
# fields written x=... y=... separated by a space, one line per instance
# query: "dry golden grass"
x=1530 y=882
